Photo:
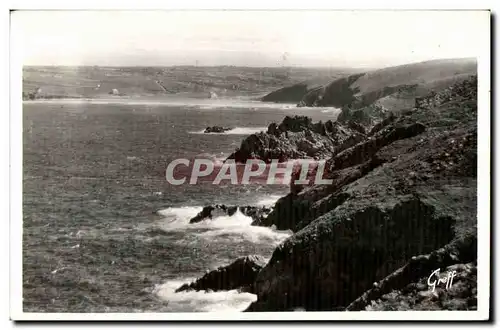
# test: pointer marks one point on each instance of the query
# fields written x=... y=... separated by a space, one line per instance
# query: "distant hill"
x=192 y=81
x=392 y=87
x=295 y=93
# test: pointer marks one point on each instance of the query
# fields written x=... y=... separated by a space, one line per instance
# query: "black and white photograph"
x=250 y=164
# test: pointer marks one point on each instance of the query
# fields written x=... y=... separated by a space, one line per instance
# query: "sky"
x=247 y=38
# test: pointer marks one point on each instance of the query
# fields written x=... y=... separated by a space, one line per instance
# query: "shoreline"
x=183 y=101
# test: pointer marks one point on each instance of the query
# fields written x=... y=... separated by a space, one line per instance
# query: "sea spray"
x=202 y=301
x=234 y=228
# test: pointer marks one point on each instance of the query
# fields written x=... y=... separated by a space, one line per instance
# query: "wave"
x=217 y=158
x=229 y=229
x=269 y=200
x=202 y=301
x=175 y=217
x=235 y=131
x=238 y=227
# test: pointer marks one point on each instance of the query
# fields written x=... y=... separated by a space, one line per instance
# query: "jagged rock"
x=367 y=149
x=356 y=126
x=297 y=138
x=239 y=274
x=463 y=90
x=462 y=250
x=366 y=117
x=385 y=122
x=211 y=211
x=461 y=295
x=340 y=254
x=217 y=129
x=296 y=210
x=408 y=189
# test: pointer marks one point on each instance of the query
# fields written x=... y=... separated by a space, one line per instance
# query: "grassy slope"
x=392 y=87
x=415 y=73
x=406 y=100
x=162 y=81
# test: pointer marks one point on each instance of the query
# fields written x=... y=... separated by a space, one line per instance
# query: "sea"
x=103 y=231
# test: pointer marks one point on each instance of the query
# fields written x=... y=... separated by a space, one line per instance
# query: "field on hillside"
x=96 y=82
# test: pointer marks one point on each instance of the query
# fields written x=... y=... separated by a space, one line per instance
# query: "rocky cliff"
x=298 y=138
x=407 y=189
x=295 y=93
x=393 y=88
x=401 y=204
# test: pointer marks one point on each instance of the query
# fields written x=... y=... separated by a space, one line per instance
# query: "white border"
x=16 y=312
x=253 y=5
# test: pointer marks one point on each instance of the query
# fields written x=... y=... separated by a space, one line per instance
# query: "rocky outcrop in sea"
x=216 y=129
x=298 y=138
x=240 y=274
x=257 y=213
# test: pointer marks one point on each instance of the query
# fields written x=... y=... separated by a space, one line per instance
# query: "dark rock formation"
x=461 y=295
x=407 y=189
x=208 y=212
x=297 y=138
x=294 y=93
x=337 y=93
x=240 y=274
x=458 y=92
x=217 y=129
x=408 y=279
x=295 y=211
x=365 y=150
x=365 y=117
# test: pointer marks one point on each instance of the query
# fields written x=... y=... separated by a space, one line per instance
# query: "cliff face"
x=390 y=88
x=403 y=201
x=462 y=295
x=294 y=93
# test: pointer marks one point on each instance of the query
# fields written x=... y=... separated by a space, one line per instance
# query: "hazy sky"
x=252 y=38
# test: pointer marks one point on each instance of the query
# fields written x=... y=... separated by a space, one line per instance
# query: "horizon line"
x=249 y=66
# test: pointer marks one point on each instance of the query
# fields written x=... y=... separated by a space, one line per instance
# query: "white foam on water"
x=182 y=212
x=178 y=217
x=234 y=131
x=217 y=159
x=238 y=227
x=233 y=228
x=246 y=130
x=202 y=301
x=196 y=103
x=269 y=200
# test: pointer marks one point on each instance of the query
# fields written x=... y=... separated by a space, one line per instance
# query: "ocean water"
x=103 y=231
